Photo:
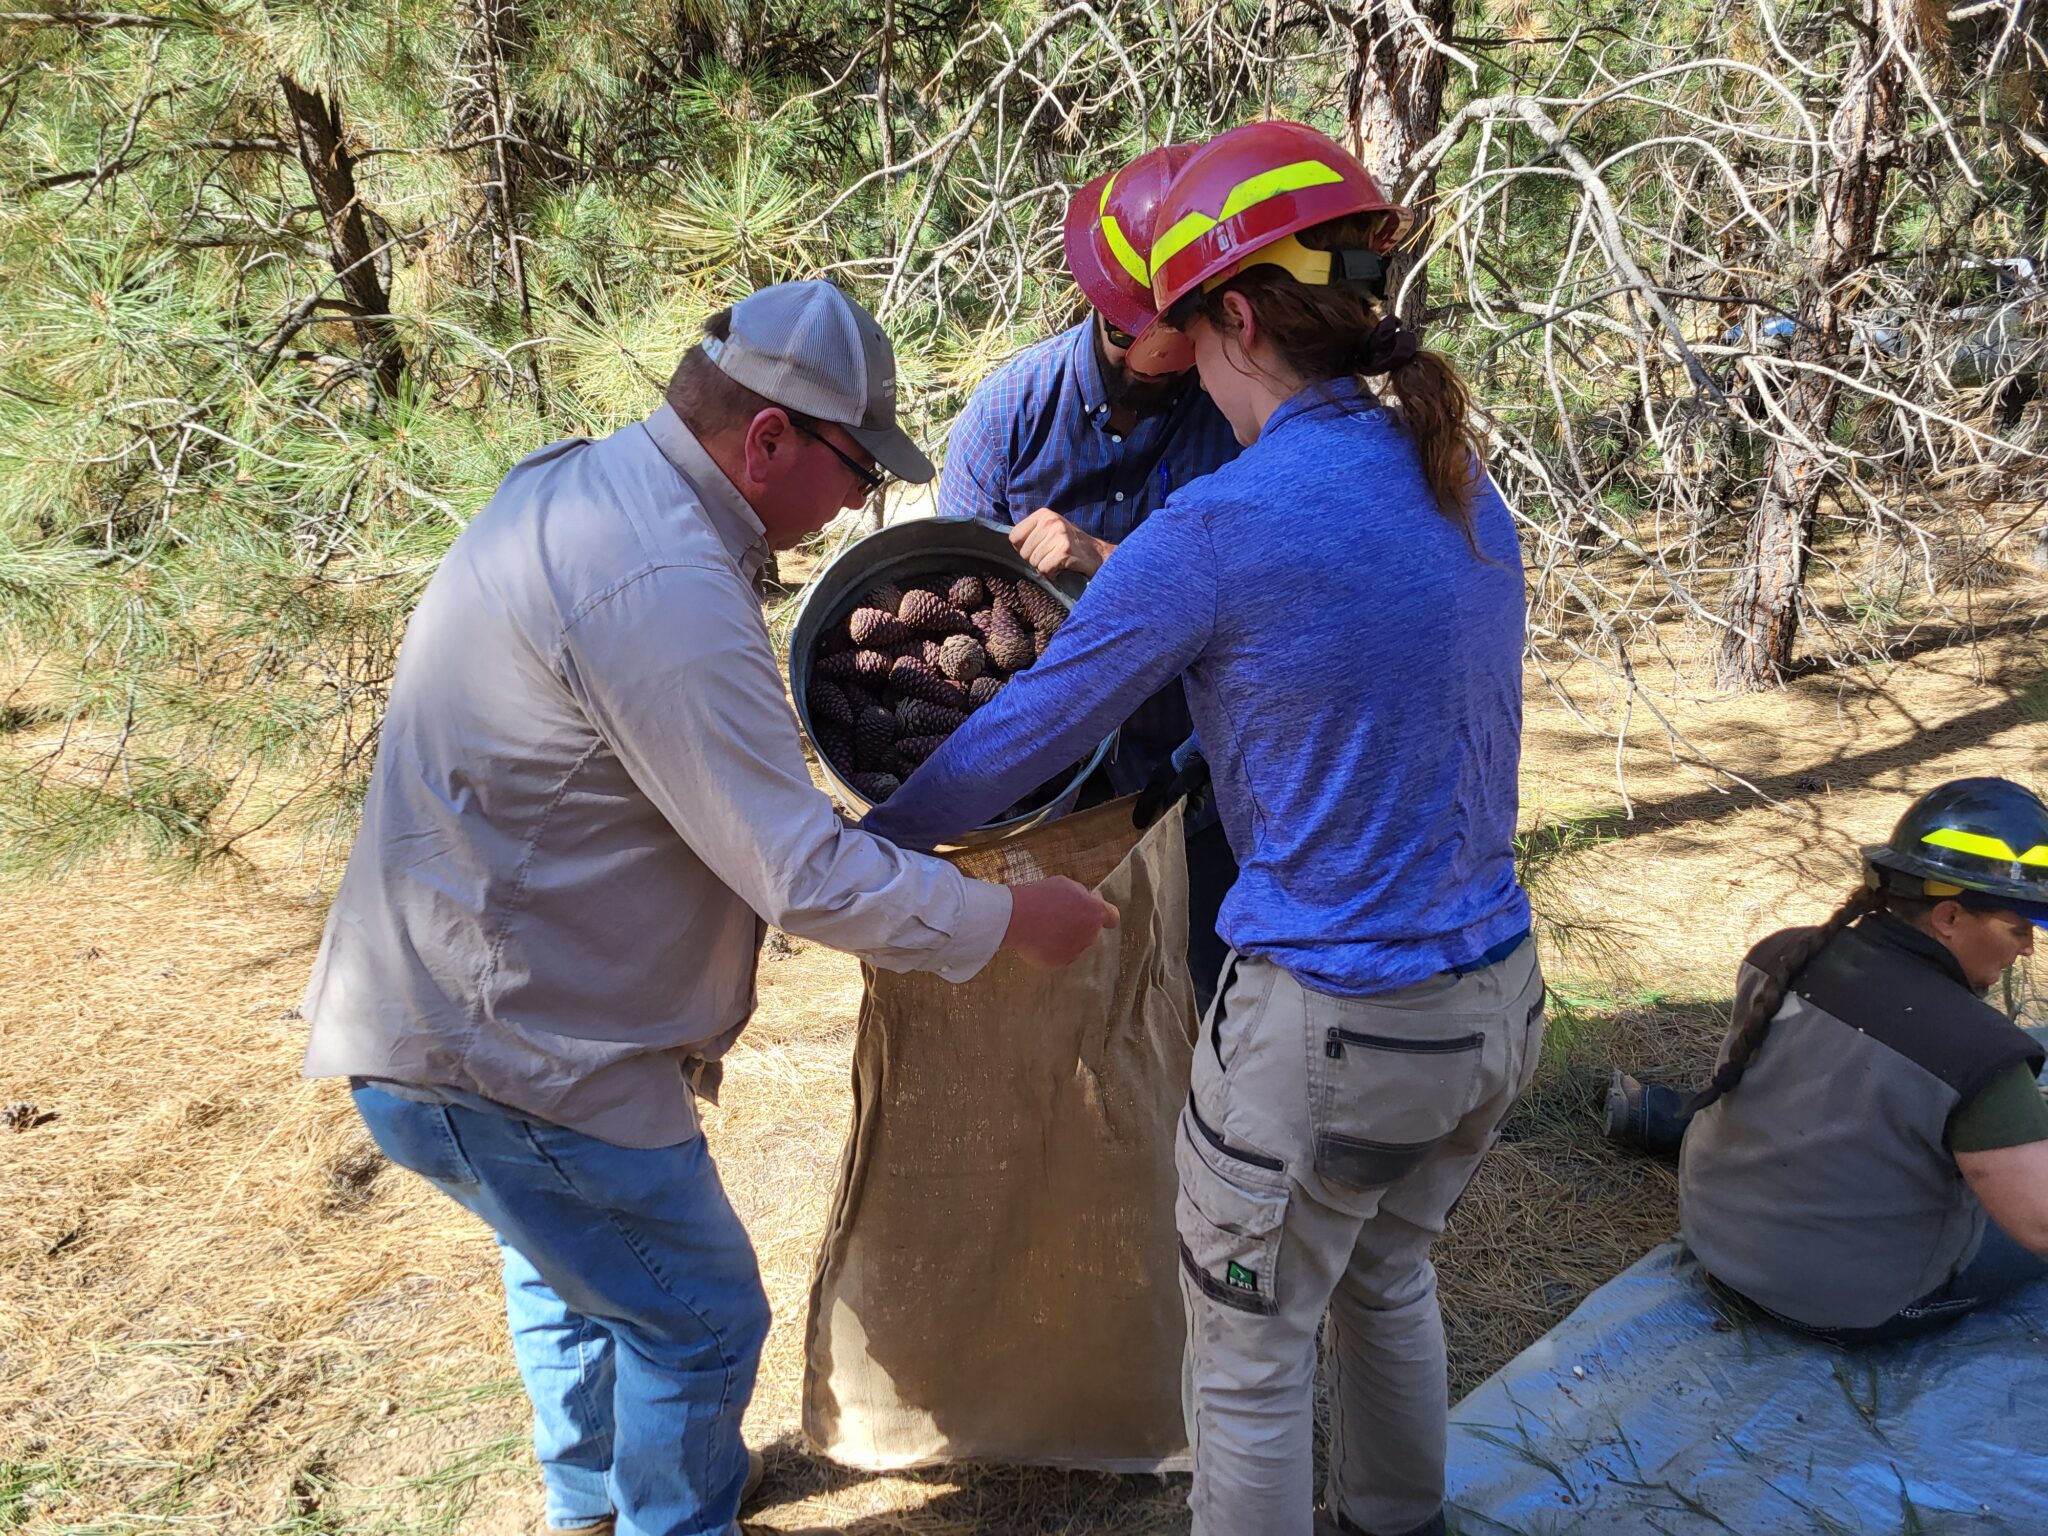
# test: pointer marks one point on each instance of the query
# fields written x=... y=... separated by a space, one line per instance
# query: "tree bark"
x=1393 y=105
x=1866 y=139
x=316 y=124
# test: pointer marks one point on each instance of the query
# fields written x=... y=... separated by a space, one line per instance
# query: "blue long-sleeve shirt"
x=1354 y=671
x=1037 y=434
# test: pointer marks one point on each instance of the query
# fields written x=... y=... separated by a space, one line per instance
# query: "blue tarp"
x=1656 y=1408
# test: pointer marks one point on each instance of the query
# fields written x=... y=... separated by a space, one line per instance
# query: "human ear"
x=1945 y=918
x=1244 y=320
x=767 y=438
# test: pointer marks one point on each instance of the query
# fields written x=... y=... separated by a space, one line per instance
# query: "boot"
x=757 y=1469
x=1646 y=1116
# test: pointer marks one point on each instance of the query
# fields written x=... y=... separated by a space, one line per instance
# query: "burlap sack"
x=997 y=1279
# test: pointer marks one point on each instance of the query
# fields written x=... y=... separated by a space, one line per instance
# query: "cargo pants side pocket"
x=1230 y=1212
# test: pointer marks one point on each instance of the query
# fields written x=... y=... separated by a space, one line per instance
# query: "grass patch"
x=28 y=1486
x=2033 y=700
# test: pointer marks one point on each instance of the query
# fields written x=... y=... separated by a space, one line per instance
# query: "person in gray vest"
x=1871 y=1157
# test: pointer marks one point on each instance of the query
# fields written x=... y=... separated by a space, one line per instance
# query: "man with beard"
x=1076 y=441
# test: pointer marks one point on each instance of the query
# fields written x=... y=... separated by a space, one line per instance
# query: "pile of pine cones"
x=893 y=680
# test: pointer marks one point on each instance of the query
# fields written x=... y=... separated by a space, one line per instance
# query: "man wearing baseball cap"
x=589 y=803
x=1079 y=439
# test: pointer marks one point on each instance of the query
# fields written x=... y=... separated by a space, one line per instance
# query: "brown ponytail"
x=1341 y=331
x=1753 y=1013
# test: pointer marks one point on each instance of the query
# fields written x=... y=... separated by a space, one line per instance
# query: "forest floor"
x=220 y=1312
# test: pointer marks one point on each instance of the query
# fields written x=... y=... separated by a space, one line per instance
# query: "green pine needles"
x=285 y=288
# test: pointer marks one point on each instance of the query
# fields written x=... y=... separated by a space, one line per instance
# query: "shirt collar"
x=1088 y=371
x=1346 y=395
x=745 y=539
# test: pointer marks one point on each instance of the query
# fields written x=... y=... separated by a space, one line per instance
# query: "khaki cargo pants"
x=1321 y=1149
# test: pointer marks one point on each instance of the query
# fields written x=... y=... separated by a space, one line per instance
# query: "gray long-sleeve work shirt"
x=588 y=802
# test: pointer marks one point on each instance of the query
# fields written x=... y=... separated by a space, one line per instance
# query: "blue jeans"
x=635 y=1303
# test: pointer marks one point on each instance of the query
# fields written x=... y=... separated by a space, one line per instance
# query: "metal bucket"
x=904 y=552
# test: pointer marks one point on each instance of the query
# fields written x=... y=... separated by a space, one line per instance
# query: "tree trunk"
x=1865 y=136
x=316 y=124
x=522 y=149
x=1393 y=100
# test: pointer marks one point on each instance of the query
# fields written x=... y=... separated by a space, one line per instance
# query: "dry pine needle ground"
x=220 y=1312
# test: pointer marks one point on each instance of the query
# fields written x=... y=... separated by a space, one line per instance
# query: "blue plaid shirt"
x=1037 y=434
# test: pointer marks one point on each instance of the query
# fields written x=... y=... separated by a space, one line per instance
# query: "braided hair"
x=1754 y=1013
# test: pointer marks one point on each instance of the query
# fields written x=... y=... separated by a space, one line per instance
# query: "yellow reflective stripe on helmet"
x=1186 y=231
x=1939 y=888
x=1287 y=178
x=1125 y=253
x=1102 y=203
x=1986 y=847
x=1248 y=193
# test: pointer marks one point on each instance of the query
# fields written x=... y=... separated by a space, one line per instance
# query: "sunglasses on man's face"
x=1117 y=336
x=871 y=480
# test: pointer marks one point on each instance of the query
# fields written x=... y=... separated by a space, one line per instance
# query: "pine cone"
x=915 y=680
x=829 y=704
x=886 y=597
x=873 y=627
x=932 y=652
x=932 y=614
x=999 y=587
x=967 y=593
x=874 y=787
x=1041 y=610
x=916 y=749
x=840 y=668
x=872 y=667
x=961 y=658
x=835 y=745
x=916 y=717
x=874 y=733
x=834 y=640
x=1040 y=639
x=1009 y=643
x=984 y=688
x=981 y=618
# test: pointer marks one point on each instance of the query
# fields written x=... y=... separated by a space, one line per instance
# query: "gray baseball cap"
x=809 y=348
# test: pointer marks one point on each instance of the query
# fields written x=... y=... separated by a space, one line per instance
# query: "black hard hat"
x=1981 y=837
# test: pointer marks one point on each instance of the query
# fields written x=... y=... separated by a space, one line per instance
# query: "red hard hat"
x=1252 y=189
x=1109 y=247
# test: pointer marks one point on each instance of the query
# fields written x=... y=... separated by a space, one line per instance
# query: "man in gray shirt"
x=588 y=805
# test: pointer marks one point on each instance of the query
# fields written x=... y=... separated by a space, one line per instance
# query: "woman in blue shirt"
x=1345 y=601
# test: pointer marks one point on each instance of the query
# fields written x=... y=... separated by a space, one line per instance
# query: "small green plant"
x=27 y=1486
